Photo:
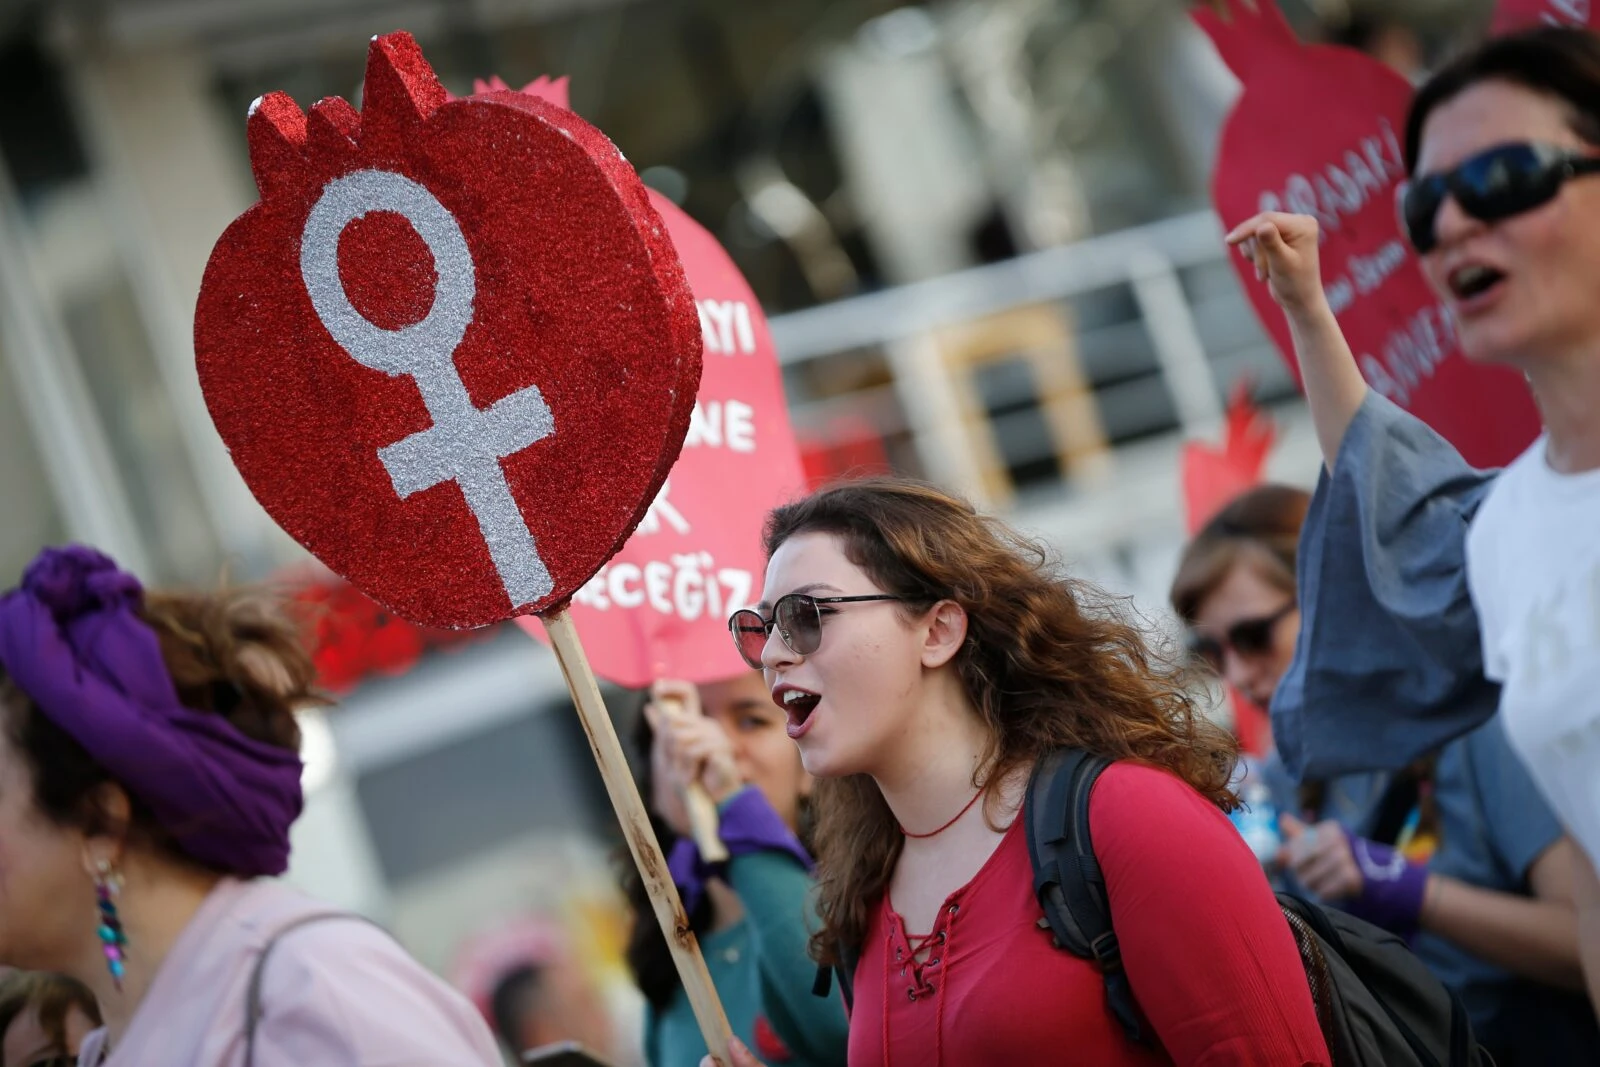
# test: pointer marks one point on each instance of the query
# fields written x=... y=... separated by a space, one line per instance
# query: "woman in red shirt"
x=926 y=657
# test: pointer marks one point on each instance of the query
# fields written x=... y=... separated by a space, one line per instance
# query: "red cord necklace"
x=946 y=826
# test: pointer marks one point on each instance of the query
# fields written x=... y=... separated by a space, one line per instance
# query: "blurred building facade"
x=980 y=228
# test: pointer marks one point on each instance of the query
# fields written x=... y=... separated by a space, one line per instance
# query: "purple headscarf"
x=71 y=641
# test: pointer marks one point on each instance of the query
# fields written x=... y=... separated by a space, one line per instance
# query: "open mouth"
x=1474 y=280
x=798 y=704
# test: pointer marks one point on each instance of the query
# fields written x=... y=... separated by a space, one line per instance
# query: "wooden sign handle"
x=702 y=810
x=635 y=822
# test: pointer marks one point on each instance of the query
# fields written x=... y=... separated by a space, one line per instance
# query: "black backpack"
x=1378 y=1005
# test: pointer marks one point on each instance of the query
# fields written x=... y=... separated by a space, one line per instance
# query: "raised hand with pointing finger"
x=1284 y=250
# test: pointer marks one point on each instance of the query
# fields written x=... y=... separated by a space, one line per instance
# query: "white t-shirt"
x=1533 y=565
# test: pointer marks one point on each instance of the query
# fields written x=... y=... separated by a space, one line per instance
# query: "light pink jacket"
x=335 y=993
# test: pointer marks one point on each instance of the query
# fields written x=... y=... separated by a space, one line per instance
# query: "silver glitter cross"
x=465 y=443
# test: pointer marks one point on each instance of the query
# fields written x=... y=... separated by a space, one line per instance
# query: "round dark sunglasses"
x=1494 y=184
x=1247 y=637
x=797 y=618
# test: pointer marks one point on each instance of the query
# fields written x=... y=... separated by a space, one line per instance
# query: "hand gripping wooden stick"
x=702 y=810
x=641 y=838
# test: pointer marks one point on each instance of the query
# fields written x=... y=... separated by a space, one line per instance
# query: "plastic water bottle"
x=1257 y=820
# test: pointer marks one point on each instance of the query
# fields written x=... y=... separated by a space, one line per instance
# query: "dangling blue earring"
x=113 y=941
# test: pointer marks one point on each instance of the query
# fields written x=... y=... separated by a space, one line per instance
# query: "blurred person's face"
x=762 y=751
x=566 y=1006
x=47 y=899
x=859 y=691
x=1250 y=625
x=1540 y=265
x=26 y=1043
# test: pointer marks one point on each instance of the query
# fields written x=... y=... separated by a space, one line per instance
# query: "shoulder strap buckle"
x=1107 y=952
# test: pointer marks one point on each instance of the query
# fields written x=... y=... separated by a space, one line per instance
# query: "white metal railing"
x=1053 y=274
x=71 y=443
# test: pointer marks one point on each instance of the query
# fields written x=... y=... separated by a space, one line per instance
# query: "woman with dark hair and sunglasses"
x=748 y=911
x=1235 y=591
x=1461 y=856
x=925 y=657
x=1404 y=605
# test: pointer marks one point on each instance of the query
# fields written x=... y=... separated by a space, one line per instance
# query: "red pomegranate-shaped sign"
x=451 y=350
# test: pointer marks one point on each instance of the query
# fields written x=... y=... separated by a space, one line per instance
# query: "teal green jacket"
x=760 y=959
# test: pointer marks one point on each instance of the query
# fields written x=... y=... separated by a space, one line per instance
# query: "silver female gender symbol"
x=464 y=444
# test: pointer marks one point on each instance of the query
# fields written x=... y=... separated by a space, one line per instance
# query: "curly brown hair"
x=1049 y=661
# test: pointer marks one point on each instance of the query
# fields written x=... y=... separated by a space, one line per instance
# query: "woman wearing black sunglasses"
x=1500 y=144
x=926 y=657
x=1464 y=858
x=1234 y=590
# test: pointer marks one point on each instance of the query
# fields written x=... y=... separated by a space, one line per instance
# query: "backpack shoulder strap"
x=1066 y=876
x=844 y=971
x=252 y=1006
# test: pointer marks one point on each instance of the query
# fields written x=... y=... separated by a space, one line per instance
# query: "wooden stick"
x=641 y=838
x=702 y=810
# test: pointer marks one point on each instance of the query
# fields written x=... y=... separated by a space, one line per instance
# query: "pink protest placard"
x=659 y=607
x=1317 y=132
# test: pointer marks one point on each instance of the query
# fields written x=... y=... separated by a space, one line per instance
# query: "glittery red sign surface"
x=452 y=349
x=1317 y=132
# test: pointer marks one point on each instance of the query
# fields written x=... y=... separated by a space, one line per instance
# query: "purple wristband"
x=747 y=823
x=1392 y=887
